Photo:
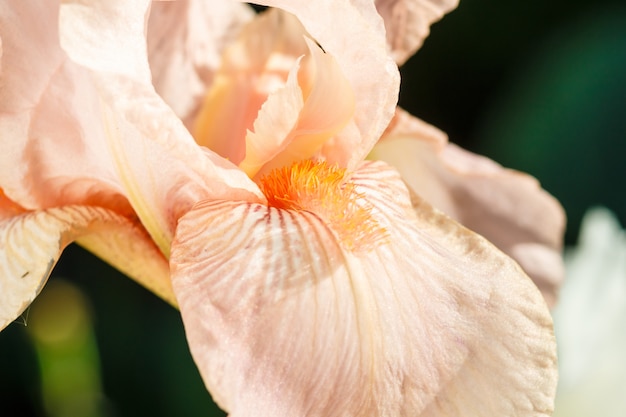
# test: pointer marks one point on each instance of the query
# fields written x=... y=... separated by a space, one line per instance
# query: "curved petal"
x=91 y=129
x=507 y=207
x=32 y=241
x=316 y=116
x=254 y=66
x=336 y=25
x=185 y=43
x=283 y=320
x=407 y=23
x=48 y=111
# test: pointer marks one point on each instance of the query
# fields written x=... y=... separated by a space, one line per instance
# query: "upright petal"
x=253 y=67
x=319 y=109
x=160 y=168
x=31 y=243
x=284 y=320
x=339 y=27
x=49 y=125
x=185 y=43
x=407 y=23
x=507 y=207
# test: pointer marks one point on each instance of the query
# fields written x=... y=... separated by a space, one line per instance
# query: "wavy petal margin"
x=283 y=321
x=185 y=43
x=157 y=164
x=31 y=243
x=507 y=207
x=407 y=23
x=354 y=34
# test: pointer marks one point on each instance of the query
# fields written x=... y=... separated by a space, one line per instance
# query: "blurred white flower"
x=590 y=322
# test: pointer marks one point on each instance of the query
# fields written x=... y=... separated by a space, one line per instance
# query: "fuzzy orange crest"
x=325 y=190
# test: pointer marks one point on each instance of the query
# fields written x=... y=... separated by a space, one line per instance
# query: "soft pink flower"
x=310 y=282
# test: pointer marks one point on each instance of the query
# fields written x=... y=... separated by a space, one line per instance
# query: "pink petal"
x=290 y=127
x=283 y=320
x=86 y=126
x=47 y=109
x=407 y=23
x=338 y=26
x=31 y=243
x=507 y=207
x=254 y=66
x=185 y=44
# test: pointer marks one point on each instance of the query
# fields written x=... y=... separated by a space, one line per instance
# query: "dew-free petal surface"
x=160 y=168
x=407 y=23
x=282 y=320
x=294 y=123
x=185 y=43
x=507 y=207
x=31 y=243
x=354 y=34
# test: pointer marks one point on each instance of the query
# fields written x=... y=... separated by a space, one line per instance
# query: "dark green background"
x=538 y=86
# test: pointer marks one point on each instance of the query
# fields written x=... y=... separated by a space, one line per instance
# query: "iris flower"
x=311 y=282
x=589 y=321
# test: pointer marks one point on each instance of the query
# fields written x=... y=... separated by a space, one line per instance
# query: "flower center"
x=325 y=191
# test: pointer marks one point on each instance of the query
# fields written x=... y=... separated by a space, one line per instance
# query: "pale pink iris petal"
x=507 y=207
x=31 y=243
x=353 y=33
x=293 y=125
x=283 y=321
x=254 y=66
x=408 y=23
x=159 y=166
x=185 y=43
x=52 y=147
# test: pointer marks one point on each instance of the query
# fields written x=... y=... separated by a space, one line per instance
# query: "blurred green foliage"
x=538 y=86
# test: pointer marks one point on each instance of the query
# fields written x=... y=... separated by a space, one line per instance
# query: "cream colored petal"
x=407 y=23
x=284 y=321
x=353 y=33
x=185 y=43
x=31 y=243
x=507 y=207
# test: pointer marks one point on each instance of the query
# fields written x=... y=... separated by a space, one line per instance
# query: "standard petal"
x=282 y=320
x=507 y=207
x=407 y=23
x=48 y=111
x=254 y=66
x=32 y=241
x=93 y=131
x=337 y=25
x=185 y=44
x=295 y=122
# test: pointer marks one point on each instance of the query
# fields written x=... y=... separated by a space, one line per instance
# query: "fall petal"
x=507 y=207
x=407 y=23
x=32 y=241
x=283 y=320
x=185 y=44
x=370 y=70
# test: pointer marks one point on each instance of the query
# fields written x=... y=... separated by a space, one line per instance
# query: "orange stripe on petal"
x=326 y=191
